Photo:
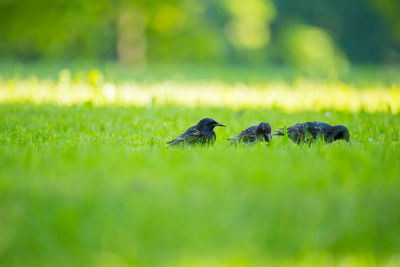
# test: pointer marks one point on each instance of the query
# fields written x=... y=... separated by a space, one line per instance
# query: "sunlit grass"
x=298 y=96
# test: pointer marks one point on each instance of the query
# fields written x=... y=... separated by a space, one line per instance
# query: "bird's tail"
x=280 y=132
x=175 y=142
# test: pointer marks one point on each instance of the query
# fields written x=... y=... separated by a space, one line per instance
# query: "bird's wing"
x=249 y=135
x=297 y=129
x=319 y=128
x=309 y=130
x=246 y=135
x=192 y=134
x=235 y=138
x=172 y=141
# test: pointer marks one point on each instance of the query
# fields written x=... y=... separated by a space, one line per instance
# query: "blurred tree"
x=248 y=29
x=313 y=51
x=356 y=25
x=131 y=20
x=195 y=30
x=390 y=11
x=56 y=29
x=184 y=31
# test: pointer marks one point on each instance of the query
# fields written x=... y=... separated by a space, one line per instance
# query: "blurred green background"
x=321 y=36
x=91 y=91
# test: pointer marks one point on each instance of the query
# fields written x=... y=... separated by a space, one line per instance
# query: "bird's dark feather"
x=191 y=135
x=247 y=135
x=201 y=133
x=308 y=131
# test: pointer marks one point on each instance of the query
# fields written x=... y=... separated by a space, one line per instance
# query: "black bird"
x=202 y=133
x=309 y=131
x=261 y=132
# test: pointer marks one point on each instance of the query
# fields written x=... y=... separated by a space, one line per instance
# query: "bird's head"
x=208 y=124
x=340 y=132
x=263 y=131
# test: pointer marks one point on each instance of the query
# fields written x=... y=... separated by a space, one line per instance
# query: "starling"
x=202 y=133
x=309 y=131
x=261 y=132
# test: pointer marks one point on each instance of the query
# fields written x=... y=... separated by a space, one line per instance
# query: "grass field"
x=86 y=178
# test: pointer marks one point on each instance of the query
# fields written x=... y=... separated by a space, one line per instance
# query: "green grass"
x=89 y=184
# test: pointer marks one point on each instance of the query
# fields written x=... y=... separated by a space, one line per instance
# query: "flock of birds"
x=203 y=133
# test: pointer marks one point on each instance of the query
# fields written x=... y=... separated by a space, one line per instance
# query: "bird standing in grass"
x=260 y=132
x=201 y=133
x=308 y=131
